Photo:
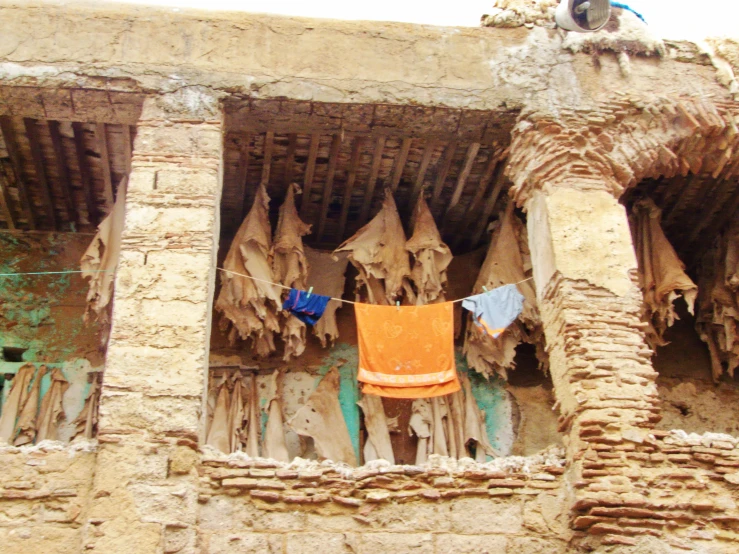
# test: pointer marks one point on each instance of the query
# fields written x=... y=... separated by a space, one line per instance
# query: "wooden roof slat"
x=241 y=176
x=441 y=176
x=487 y=211
x=39 y=167
x=349 y=186
x=63 y=169
x=310 y=170
x=78 y=132
x=328 y=187
x=128 y=146
x=101 y=140
x=6 y=127
x=400 y=163
x=469 y=160
x=372 y=183
x=479 y=193
x=421 y=175
x=708 y=201
x=5 y=202
x=292 y=144
x=269 y=141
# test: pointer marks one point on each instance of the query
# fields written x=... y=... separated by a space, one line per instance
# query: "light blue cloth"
x=496 y=309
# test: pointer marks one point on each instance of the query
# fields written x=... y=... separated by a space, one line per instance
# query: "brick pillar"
x=145 y=486
x=585 y=273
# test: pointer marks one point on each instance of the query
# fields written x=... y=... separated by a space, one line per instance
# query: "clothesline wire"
x=331 y=297
x=56 y=272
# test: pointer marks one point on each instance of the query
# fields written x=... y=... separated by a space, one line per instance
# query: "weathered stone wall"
x=44 y=497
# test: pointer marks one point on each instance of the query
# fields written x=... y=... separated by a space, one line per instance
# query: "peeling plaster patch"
x=10 y=70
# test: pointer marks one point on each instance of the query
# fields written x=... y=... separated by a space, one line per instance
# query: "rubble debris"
x=431 y=257
x=290 y=267
x=377 y=446
x=322 y=420
x=250 y=308
x=100 y=260
x=378 y=252
x=507 y=262
x=717 y=320
x=51 y=412
x=326 y=276
x=662 y=276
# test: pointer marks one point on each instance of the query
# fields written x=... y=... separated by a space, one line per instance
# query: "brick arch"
x=620 y=143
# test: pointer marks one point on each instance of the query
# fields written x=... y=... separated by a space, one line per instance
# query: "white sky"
x=692 y=19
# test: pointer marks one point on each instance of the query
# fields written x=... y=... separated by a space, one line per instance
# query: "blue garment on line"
x=496 y=309
x=307 y=309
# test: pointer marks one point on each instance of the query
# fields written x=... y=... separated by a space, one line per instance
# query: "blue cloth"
x=496 y=309
x=306 y=309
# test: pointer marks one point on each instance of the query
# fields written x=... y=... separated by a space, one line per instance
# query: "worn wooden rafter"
x=242 y=174
x=310 y=171
x=400 y=163
x=78 y=133
x=5 y=202
x=487 y=210
x=446 y=165
x=101 y=140
x=372 y=183
x=6 y=128
x=63 y=170
x=421 y=176
x=292 y=145
x=40 y=168
x=349 y=186
x=482 y=187
x=328 y=187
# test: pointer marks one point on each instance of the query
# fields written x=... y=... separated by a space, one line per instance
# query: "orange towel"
x=407 y=351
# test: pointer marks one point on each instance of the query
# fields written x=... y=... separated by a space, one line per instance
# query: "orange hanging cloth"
x=406 y=351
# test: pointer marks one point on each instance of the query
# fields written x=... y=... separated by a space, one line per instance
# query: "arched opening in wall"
x=695 y=353
x=283 y=388
x=62 y=174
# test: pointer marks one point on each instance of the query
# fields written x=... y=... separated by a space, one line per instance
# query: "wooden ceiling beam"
x=400 y=160
x=242 y=172
x=372 y=183
x=731 y=211
x=292 y=145
x=5 y=202
x=469 y=161
x=6 y=128
x=421 y=176
x=349 y=186
x=482 y=188
x=127 y=146
x=328 y=187
x=310 y=171
x=710 y=205
x=269 y=143
x=38 y=165
x=101 y=141
x=446 y=165
x=487 y=210
x=63 y=170
x=78 y=131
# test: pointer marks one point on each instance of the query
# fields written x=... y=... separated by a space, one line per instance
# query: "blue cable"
x=629 y=8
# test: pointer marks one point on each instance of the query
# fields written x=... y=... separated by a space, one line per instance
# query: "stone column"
x=145 y=485
x=590 y=302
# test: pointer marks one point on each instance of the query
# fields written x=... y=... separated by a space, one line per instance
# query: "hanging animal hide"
x=100 y=260
x=219 y=434
x=507 y=262
x=275 y=446
x=26 y=427
x=431 y=257
x=661 y=273
x=378 y=252
x=327 y=278
x=52 y=411
x=15 y=401
x=237 y=414
x=420 y=424
x=86 y=422
x=249 y=308
x=253 y=423
x=718 y=303
x=377 y=446
x=290 y=267
x=321 y=419
x=450 y=426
